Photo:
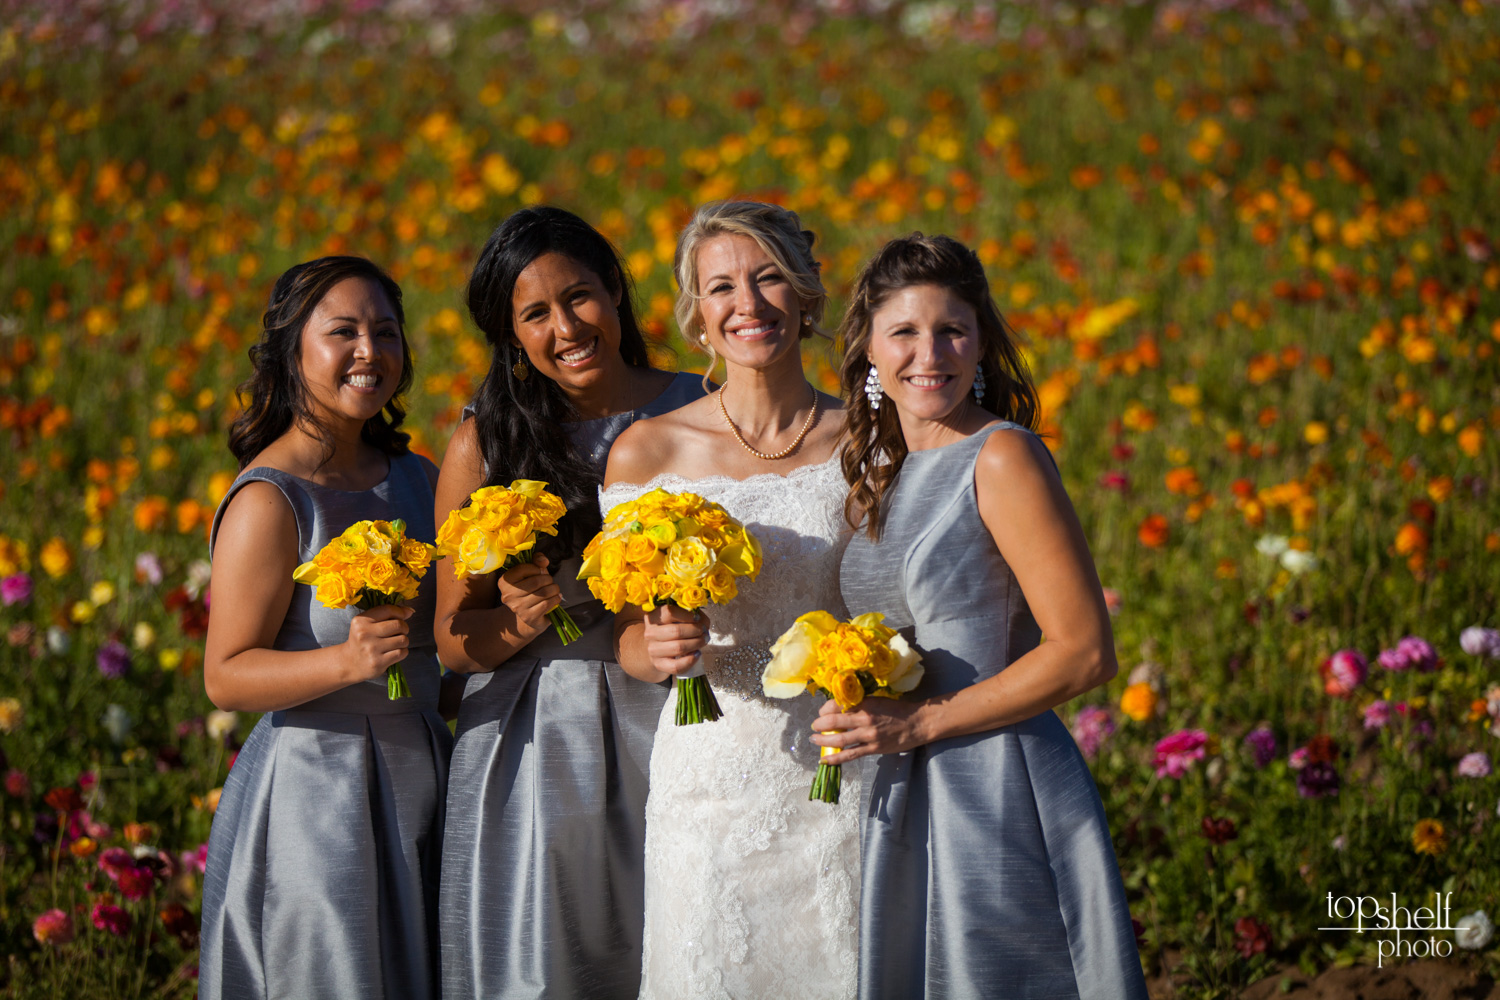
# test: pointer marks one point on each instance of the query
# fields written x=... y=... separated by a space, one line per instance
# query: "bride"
x=751 y=890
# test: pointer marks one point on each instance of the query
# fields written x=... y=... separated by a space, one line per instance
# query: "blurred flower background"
x=1250 y=247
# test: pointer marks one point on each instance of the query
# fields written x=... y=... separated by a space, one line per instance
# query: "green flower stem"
x=696 y=702
x=826 y=784
x=395 y=680
x=567 y=629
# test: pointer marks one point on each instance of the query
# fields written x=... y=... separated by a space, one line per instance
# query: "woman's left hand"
x=878 y=725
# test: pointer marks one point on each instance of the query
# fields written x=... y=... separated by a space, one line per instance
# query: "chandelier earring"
x=873 y=389
x=979 y=384
x=519 y=369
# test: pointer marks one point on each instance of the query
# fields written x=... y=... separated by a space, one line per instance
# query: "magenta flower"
x=1378 y=714
x=113 y=659
x=1410 y=653
x=1317 y=780
x=17 y=785
x=1091 y=727
x=53 y=927
x=1176 y=754
x=114 y=860
x=1475 y=765
x=15 y=589
x=109 y=917
x=1343 y=672
x=136 y=882
x=1297 y=759
x=1262 y=744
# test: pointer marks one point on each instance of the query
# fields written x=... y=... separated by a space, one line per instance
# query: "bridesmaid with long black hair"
x=322 y=868
x=542 y=858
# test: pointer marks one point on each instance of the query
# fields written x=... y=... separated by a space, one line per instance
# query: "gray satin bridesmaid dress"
x=988 y=869
x=542 y=876
x=322 y=868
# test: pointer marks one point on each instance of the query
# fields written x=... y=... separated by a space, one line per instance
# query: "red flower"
x=181 y=924
x=1219 y=831
x=64 y=799
x=1252 y=937
x=136 y=882
x=109 y=917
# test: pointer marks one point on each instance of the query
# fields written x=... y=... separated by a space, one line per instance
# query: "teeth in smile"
x=363 y=381
x=579 y=354
x=752 y=331
x=929 y=381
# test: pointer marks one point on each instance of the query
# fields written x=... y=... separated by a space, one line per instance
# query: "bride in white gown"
x=752 y=891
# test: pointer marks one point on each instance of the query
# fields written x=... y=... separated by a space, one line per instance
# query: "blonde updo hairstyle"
x=775 y=230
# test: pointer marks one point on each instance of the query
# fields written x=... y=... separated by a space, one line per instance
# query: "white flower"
x=199 y=572
x=143 y=635
x=1298 y=562
x=58 y=641
x=1272 y=545
x=220 y=724
x=909 y=670
x=117 y=722
x=1473 y=931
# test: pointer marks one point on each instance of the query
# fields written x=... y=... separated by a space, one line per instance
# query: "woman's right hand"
x=530 y=592
x=378 y=638
x=675 y=638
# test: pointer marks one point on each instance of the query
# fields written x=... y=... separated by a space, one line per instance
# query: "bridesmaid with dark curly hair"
x=322 y=869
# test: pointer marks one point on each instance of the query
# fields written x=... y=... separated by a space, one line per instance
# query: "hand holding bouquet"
x=497 y=529
x=372 y=563
x=847 y=661
x=671 y=548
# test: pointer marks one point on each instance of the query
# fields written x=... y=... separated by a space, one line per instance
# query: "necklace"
x=812 y=415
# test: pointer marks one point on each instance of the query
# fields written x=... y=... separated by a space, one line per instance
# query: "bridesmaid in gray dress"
x=323 y=860
x=988 y=869
x=542 y=858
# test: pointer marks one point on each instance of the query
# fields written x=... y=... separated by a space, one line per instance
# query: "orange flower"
x=1429 y=837
x=1410 y=539
x=151 y=513
x=1154 y=531
x=1139 y=701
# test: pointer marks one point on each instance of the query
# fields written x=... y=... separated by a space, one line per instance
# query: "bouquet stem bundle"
x=696 y=702
x=829 y=778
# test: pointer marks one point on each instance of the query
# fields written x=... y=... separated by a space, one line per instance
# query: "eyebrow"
x=769 y=265
x=355 y=319
x=580 y=283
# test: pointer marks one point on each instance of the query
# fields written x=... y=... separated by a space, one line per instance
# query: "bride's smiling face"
x=751 y=314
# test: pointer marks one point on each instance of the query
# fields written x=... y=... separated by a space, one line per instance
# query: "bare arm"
x=482 y=621
x=254 y=556
x=1027 y=512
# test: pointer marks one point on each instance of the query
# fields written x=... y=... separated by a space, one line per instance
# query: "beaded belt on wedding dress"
x=739 y=669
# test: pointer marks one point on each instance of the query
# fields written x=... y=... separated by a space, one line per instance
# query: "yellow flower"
x=1139 y=701
x=640 y=590
x=55 y=558
x=476 y=555
x=334 y=591
x=11 y=715
x=15 y=556
x=690 y=596
x=846 y=689
x=82 y=612
x=415 y=555
x=612 y=560
x=689 y=560
x=640 y=549
x=720 y=584
x=102 y=592
x=793 y=657
x=1429 y=837
x=380 y=574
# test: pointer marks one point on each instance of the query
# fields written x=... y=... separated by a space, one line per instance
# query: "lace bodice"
x=798 y=519
x=752 y=890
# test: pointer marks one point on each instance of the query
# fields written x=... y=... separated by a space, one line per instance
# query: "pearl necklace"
x=812 y=415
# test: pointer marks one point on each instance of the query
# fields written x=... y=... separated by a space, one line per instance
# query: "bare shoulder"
x=1013 y=456
x=462 y=472
x=258 y=511
x=642 y=451
x=463 y=449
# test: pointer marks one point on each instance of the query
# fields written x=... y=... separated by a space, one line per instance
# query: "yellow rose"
x=475 y=553
x=689 y=560
x=720 y=584
x=334 y=592
x=381 y=574
x=640 y=590
x=690 y=597
x=346 y=546
x=662 y=534
x=405 y=586
x=612 y=564
x=664 y=586
x=640 y=549
x=611 y=591
x=375 y=536
x=513 y=536
x=793 y=657
x=855 y=651
x=846 y=689
x=415 y=555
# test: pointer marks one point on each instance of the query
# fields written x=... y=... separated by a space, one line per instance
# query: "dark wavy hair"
x=874 y=448
x=520 y=422
x=275 y=395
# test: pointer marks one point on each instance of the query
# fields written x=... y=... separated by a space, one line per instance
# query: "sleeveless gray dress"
x=988 y=869
x=323 y=860
x=542 y=891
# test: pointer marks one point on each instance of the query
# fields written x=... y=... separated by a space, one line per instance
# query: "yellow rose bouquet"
x=497 y=529
x=370 y=564
x=672 y=548
x=848 y=662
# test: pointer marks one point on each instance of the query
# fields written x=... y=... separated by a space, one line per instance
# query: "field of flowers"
x=1252 y=249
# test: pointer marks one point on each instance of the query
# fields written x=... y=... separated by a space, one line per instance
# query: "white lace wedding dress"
x=752 y=891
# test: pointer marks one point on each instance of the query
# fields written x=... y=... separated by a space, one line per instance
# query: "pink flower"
x=1176 y=753
x=1113 y=602
x=1297 y=759
x=1378 y=714
x=136 y=882
x=1475 y=765
x=194 y=861
x=109 y=917
x=1343 y=672
x=1115 y=480
x=1091 y=727
x=148 y=568
x=114 y=860
x=15 y=589
x=17 y=785
x=1411 y=652
x=53 y=927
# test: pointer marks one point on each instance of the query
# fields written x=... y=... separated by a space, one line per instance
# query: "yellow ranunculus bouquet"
x=370 y=564
x=497 y=529
x=671 y=548
x=847 y=661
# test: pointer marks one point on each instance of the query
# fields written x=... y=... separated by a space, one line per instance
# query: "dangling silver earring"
x=979 y=384
x=873 y=389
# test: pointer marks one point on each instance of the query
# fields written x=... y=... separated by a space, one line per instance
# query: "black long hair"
x=520 y=422
x=275 y=394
